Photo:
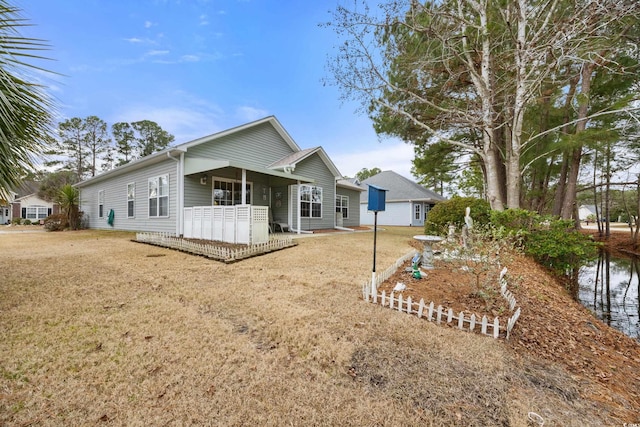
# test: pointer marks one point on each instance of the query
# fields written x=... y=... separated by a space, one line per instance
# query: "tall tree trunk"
x=576 y=155
x=561 y=189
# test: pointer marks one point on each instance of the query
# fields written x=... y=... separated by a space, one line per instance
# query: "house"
x=256 y=168
x=407 y=203
x=587 y=212
x=27 y=205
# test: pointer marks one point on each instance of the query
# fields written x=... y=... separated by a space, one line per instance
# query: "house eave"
x=133 y=166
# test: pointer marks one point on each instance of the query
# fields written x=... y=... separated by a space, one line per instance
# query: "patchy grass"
x=97 y=329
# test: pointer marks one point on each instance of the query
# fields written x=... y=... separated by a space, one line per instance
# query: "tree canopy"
x=516 y=85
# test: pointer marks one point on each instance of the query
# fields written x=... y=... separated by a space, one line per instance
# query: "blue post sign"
x=377 y=199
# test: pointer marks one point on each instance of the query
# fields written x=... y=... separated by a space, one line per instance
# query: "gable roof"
x=269 y=119
x=289 y=162
x=349 y=185
x=400 y=188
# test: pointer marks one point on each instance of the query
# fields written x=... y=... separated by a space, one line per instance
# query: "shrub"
x=452 y=211
x=56 y=222
x=26 y=221
x=16 y=221
x=560 y=247
x=516 y=220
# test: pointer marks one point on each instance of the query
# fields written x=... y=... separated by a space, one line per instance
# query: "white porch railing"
x=244 y=224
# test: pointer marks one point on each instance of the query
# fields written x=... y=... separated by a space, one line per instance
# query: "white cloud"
x=134 y=40
x=189 y=58
x=204 y=20
x=185 y=123
x=157 y=52
x=148 y=24
x=250 y=114
x=395 y=156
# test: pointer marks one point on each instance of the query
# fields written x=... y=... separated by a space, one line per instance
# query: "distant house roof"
x=27 y=188
x=399 y=188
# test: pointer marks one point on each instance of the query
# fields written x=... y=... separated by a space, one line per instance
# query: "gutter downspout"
x=180 y=184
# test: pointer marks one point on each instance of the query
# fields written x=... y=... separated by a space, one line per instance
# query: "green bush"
x=452 y=211
x=560 y=247
x=16 y=221
x=56 y=222
x=516 y=220
x=26 y=221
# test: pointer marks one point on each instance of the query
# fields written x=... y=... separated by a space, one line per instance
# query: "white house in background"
x=586 y=211
x=407 y=203
x=27 y=204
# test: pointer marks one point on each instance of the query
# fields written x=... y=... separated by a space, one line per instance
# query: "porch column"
x=244 y=187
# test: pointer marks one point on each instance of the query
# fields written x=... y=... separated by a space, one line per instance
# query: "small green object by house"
x=110 y=217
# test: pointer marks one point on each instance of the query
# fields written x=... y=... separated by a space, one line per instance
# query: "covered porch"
x=232 y=202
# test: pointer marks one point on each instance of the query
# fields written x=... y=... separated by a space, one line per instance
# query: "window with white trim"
x=131 y=200
x=101 y=204
x=159 y=196
x=310 y=201
x=418 y=211
x=227 y=192
x=342 y=205
x=36 y=212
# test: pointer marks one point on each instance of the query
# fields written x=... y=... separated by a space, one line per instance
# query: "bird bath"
x=427 y=251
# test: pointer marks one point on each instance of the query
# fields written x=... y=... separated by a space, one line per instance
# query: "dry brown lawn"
x=98 y=330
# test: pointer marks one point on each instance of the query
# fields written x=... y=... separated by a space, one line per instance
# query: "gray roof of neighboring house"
x=399 y=188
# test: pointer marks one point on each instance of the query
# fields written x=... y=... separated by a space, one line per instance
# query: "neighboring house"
x=587 y=212
x=5 y=206
x=255 y=164
x=407 y=203
x=27 y=204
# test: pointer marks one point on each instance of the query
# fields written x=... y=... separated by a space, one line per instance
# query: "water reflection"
x=609 y=287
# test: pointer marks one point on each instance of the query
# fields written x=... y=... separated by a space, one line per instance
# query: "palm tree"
x=69 y=201
x=25 y=109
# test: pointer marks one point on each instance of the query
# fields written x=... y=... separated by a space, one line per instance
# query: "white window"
x=342 y=205
x=36 y=212
x=417 y=211
x=159 y=196
x=310 y=201
x=427 y=208
x=227 y=192
x=101 y=204
x=131 y=200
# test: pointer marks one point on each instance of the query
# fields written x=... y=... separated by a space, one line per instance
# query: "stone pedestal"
x=427 y=251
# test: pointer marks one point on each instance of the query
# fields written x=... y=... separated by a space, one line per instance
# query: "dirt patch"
x=552 y=327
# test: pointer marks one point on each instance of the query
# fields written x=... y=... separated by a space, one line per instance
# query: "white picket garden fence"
x=211 y=250
x=440 y=314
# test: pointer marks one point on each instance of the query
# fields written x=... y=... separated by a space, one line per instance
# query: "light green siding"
x=314 y=167
x=258 y=146
x=354 y=207
x=115 y=197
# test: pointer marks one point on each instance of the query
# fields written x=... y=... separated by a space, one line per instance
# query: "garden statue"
x=451 y=237
x=466 y=228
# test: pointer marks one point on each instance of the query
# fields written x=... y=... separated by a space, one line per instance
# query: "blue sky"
x=197 y=67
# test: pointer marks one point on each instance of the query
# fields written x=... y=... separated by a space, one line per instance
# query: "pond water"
x=609 y=287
